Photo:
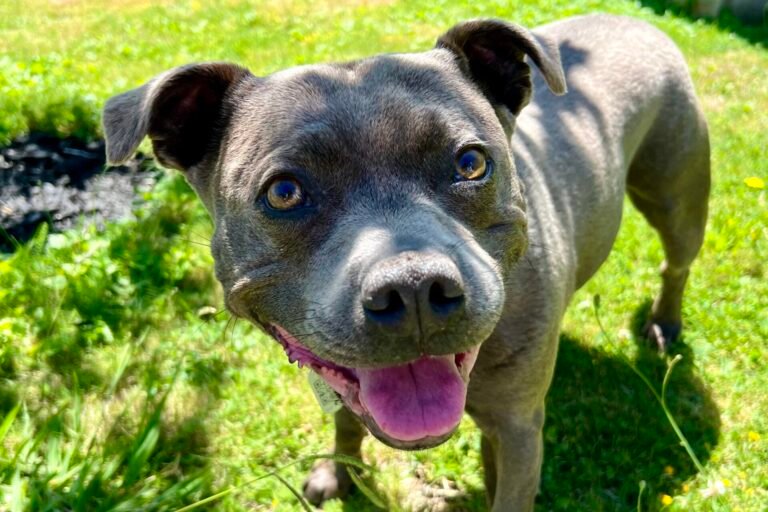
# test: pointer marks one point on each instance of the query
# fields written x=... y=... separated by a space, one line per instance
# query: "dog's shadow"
x=605 y=432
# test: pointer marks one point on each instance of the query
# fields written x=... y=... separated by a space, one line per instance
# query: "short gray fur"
x=375 y=141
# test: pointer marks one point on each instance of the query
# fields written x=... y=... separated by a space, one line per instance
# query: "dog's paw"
x=661 y=335
x=326 y=481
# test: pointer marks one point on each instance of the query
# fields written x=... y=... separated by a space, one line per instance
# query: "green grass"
x=129 y=395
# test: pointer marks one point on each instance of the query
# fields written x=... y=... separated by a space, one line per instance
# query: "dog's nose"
x=411 y=291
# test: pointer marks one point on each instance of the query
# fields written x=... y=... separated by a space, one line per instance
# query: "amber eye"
x=285 y=194
x=471 y=164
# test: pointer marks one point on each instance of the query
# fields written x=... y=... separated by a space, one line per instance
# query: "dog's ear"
x=492 y=53
x=182 y=110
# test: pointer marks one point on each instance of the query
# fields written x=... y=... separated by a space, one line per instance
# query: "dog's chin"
x=410 y=406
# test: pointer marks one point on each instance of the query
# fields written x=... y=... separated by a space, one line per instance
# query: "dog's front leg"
x=512 y=455
x=330 y=479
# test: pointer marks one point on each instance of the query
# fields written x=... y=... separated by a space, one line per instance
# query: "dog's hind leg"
x=330 y=479
x=669 y=182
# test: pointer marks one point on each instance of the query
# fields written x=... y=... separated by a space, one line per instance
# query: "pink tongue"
x=417 y=400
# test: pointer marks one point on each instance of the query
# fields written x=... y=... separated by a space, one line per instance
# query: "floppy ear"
x=492 y=53
x=182 y=110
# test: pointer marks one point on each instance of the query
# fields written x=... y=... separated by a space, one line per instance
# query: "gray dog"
x=402 y=223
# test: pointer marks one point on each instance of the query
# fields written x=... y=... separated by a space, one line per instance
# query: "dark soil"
x=64 y=182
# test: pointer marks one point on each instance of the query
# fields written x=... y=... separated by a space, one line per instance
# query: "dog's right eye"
x=471 y=165
x=285 y=193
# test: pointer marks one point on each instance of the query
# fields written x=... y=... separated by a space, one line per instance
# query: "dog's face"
x=366 y=214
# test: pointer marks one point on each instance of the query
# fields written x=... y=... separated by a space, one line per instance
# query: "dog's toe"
x=661 y=334
x=327 y=480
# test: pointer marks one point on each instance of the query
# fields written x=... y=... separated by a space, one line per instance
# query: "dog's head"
x=366 y=213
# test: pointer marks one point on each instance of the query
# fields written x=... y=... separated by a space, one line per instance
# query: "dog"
x=412 y=226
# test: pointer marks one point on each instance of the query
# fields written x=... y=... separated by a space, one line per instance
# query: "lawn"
x=125 y=386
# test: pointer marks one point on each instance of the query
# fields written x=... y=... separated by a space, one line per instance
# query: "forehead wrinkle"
x=392 y=119
x=389 y=137
x=359 y=89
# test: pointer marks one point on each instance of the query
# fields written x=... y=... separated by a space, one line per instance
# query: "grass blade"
x=336 y=457
x=661 y=398
x=344 y=459
x=295 y=492
x=7 y=422
x=369 y=493
x=208 y=499
x=227 y=492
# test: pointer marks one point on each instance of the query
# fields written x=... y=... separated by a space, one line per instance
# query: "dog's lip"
x=344 y=381
x=303 y=356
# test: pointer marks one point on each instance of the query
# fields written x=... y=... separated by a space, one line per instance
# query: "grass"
x=122 y=390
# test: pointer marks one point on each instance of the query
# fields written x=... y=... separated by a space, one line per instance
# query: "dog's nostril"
x=444 y=301
x=385 y=307
x=394 y=303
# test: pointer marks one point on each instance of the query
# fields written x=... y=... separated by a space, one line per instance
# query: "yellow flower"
x=686 y=487
x=755 y=182
x=753 y=436
x=666 y=499
x=669 y=470
x=726 y=482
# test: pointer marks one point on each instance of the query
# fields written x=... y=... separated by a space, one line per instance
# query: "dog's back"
x=630 y=117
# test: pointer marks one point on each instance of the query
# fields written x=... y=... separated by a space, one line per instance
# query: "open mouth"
x=413 y=405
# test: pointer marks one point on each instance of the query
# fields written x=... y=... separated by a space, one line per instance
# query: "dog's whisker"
x=189 y=241
x=198 y=235
x=233 y=321
x=226 y=326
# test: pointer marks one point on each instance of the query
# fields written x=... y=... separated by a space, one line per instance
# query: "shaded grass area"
x=607 y=439
x=726 y=21
x=138 y=393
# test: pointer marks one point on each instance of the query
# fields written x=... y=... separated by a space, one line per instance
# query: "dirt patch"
x=439 y=496
x=63 y=182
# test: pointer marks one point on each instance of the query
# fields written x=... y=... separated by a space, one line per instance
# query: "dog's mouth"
x=410 y=406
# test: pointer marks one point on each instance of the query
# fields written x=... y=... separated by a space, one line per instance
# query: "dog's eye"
x=471 y=164
x=285 y=194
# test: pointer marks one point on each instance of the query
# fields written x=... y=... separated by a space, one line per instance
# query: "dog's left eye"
x=285 y=193
x=471 y=165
